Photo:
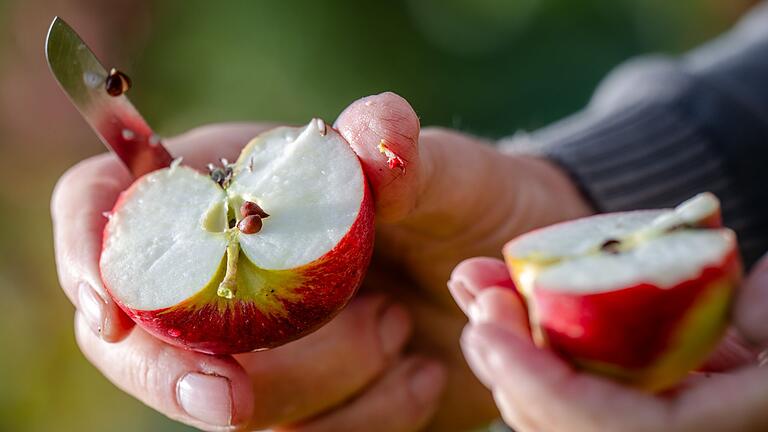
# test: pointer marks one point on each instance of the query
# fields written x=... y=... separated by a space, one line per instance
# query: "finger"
x=313 y=374
x=89 y=189
x=402 y=400
x=515 y=417
x=542 y=387
x=461 y=295
x=79 y=201
x=502 y=308
x=499 y=307
x=383 y=130
x=473 y=275
x=752 y=304
x=414 y=173
x=734 y=401
x=211 y=393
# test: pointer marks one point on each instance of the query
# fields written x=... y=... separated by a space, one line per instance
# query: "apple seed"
x=250 y=224
x=251 y=208
x=117 y=83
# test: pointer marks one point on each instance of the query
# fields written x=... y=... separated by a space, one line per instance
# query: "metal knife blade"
x=114 y=119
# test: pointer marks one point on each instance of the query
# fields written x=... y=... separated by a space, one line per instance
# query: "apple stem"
x=228 y=285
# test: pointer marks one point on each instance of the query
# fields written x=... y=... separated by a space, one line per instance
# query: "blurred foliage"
x=484 y=66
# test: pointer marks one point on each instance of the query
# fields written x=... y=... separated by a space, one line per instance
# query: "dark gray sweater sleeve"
x=658 y=130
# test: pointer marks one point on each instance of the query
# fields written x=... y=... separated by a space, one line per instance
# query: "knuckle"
x=142 y=372
x=436 y=133
x=145 y=374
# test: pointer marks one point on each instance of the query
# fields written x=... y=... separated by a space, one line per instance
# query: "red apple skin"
x=641 y=334
x=213 y=325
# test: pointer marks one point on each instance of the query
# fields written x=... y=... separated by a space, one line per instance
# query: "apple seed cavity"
x=611 y=246
x=222 y=218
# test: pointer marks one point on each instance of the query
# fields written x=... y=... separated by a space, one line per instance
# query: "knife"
x=114 y=119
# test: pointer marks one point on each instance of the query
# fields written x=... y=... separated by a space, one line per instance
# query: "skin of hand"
x=391 y=360
x=537 y=391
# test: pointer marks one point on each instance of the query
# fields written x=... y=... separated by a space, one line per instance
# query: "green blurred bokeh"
x=487 y=67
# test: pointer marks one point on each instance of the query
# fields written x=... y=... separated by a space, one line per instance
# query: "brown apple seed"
x=251 y=208
x=117 y=83
x=250 y=224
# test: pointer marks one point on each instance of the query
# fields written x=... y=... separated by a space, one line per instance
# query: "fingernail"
x=460 y=294
x=91 y=306
x=207 y=398
x=501 y=308
x=477 y=312
x=427 y=381
x=393 y=328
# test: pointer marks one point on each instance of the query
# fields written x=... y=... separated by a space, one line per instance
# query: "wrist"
x=557 y=187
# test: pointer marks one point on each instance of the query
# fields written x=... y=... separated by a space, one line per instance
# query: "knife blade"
x=114 y=119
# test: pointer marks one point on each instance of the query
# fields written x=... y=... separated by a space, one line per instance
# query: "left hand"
x=538 y=391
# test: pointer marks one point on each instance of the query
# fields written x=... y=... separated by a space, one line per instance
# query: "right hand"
x=538 y=391
x=457 y=198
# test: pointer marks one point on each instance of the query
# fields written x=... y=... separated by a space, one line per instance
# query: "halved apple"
x=642 y=296
x=181 y=258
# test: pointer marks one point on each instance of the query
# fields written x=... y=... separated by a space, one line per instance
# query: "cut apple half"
x=642 y=296
x=181 y=257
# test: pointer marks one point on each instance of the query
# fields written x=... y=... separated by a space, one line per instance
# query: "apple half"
x=641 y=296
x=181 y=258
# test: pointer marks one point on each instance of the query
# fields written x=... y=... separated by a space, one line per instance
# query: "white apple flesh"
x=641 y=296
x=175 y=260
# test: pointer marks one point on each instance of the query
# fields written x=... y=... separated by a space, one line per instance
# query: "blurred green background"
x=488 y=67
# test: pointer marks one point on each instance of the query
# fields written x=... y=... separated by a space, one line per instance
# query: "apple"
x=249 y=256
x=641 y=296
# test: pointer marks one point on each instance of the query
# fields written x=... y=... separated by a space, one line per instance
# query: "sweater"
x=659 y=129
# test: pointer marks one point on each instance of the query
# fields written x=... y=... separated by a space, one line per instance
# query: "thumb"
x=383 y=130
x=752 y=304
x=441 y=181
x=417 y=175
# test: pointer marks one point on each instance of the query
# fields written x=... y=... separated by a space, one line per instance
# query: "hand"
x=538 y=391
x=455 y=197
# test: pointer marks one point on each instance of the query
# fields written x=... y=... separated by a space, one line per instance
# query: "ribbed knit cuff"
x=645 y=156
